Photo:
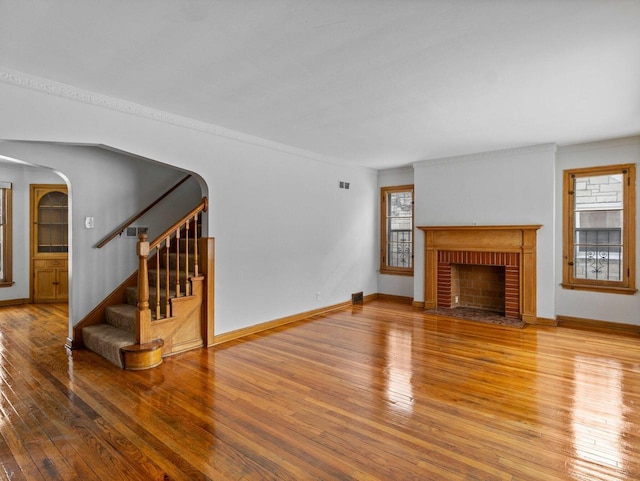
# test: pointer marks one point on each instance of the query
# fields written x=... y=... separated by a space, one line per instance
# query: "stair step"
x=121 y=316
x=132 y=298
x=132 y=291
x=183 y=242
x=172 y=276
x=108 y=341
x=143 y=356
x=183 y=257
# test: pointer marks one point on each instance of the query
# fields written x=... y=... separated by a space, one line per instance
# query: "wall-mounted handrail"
x=121 y=228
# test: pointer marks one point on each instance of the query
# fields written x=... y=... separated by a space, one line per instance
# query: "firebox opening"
x=478 y=287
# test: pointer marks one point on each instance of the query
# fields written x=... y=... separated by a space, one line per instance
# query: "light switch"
x=88 y=223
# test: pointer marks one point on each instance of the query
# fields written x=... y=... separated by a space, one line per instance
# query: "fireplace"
x=482 y=271
x=478 y=287
x=505 y=255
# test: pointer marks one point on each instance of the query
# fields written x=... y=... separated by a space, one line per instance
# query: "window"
x=5 y=234
x=599 y=229
x=396 y=233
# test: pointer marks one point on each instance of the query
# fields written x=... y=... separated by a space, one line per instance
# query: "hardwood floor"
x=380 y=392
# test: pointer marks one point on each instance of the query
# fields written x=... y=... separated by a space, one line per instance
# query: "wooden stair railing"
x=121 y=228
x=163 y=247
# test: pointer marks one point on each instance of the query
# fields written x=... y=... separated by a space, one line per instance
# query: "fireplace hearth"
x=477 y=315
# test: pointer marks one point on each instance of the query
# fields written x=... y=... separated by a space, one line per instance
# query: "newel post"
x=143 y=314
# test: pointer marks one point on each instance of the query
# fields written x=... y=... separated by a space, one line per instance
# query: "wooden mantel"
x=520 y=239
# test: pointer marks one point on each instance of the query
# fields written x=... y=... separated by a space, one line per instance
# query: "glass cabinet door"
x=53 y=226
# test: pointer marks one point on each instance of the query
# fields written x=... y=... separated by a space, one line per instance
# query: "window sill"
x=605 y=289
x=6 y=283
x=393 y=272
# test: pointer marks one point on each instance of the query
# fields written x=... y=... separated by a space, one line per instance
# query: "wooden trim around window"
x=628 y=283
x=384 y=268
x=7 y=252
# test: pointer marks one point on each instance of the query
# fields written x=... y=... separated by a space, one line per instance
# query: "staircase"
x=115 y=339
x=168 y=311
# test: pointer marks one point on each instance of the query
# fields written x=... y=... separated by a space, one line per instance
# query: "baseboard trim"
x=596 y=325
x=392 y=297
x=371 y=297
x=560 y=321
x=545 y=321
x=265 y=326
x=14 y=302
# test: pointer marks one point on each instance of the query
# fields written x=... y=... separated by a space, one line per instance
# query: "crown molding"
x=632 y=140
x=492 y=154
x=68 y=92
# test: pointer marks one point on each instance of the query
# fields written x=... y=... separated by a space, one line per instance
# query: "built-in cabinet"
x=49 y=242
x=50 y=280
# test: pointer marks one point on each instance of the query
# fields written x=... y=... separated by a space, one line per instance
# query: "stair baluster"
x=196 y=272
x=157 y=286
x=178 y=290
x=167 y=283
x=187 y=291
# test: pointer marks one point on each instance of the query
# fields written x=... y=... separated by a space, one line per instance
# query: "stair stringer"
x=183 y=330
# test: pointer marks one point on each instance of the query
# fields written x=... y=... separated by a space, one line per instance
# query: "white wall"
x=284 y=231
x=514 y=186
x=390 y=284
x=588 y=304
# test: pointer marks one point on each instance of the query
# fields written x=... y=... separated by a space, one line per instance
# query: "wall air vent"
x=357 y=298
x=132 y=232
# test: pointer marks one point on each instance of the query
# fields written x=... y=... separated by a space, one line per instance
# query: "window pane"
x=601 y=263
x=1 y=238
x=2 y=233
x=399 y=248
x=400 y=204
x=598 y=227
x=400 y=229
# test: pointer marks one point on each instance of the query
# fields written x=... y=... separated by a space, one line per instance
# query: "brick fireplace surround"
x=513 y=247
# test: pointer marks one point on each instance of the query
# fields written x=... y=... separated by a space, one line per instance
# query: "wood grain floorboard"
x=374 y=392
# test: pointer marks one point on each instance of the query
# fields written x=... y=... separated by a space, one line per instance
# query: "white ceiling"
x=379 y=83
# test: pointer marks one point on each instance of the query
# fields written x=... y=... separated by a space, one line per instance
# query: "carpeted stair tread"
x=172 y=277
x=107 y=340
x=132 y=296
x=132 y=299
x=122 y=316
x=173 y=261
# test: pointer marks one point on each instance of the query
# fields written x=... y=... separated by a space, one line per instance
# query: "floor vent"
x=357 y=298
